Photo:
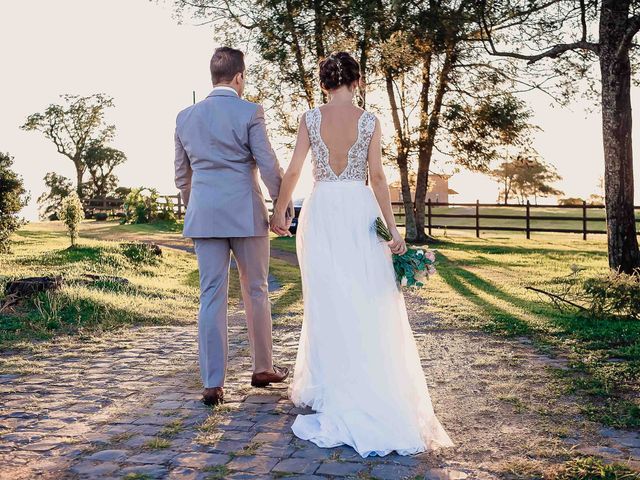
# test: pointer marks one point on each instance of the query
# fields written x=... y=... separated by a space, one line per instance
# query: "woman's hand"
x=279 y=224
x=397 y=243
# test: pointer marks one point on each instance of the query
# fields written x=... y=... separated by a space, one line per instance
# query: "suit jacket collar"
x=223 y=92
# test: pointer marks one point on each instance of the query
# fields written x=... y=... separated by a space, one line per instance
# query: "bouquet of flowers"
x=412 y=268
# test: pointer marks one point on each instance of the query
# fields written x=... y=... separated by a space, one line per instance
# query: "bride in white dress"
x=357 y=365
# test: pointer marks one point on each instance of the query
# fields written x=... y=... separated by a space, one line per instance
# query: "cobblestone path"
x=127 y=406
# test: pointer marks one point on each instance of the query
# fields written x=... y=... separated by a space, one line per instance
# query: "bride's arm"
x=290 y=179
x=381 y=190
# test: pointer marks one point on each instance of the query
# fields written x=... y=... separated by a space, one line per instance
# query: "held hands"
x=280 y=223
x=397 y=243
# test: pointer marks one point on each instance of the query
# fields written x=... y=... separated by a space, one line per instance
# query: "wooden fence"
x=470 y=216
x=114 y=206
x=590 y=219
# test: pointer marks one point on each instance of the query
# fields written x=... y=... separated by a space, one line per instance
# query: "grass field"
x=160 y=291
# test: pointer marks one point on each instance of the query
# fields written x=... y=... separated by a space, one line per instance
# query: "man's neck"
x=226 y=86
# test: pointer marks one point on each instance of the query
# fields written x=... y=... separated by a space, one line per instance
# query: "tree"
x=13 y=198
x=100 y=161
x=535 y=178
x=575 y=35
x=71 y=214
x=59 y=187
x=73 y=127
x=505 y=174
x=526 y=176
x=425 y=57
x=433 y=45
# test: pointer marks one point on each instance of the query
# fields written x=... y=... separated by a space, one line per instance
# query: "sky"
x=136 y=52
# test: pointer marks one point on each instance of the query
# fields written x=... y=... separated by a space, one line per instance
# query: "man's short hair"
x=225 y=64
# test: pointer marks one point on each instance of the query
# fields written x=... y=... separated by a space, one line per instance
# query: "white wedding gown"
x=357 y=365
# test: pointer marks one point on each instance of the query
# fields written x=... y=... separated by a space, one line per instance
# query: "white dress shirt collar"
x=224 y=87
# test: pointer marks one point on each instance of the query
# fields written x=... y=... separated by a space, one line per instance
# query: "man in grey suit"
x=221 y=144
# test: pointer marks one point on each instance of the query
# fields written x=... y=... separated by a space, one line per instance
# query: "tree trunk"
x=79 y=179
x=402 y=154
x=615 y=70
x=318 y=36
x=409 y=214
x=297 y=51
x=427 y=136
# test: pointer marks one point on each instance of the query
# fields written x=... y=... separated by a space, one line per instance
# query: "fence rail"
x=114 y=206
x=502 y=219
x=495 y=217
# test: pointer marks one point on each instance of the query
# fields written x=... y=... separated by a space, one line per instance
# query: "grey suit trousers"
x=252 y=258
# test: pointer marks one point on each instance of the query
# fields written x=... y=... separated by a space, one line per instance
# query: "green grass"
x=481 y=284
x=590 y=468
x=158 y=292
x=161 y=290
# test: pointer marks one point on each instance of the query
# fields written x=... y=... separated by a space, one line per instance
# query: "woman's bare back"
x=339 y=132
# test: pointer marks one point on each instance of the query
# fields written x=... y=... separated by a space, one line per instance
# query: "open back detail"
x=356 y=168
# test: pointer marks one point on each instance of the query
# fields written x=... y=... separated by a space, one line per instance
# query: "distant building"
x=438 y=192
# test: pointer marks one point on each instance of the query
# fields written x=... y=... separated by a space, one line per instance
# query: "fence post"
x=179 y=205
x=528 y=220
x=584 y=220
x=477 y=218
x=429 y=215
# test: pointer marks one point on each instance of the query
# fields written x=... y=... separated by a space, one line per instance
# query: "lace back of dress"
x=356 y=168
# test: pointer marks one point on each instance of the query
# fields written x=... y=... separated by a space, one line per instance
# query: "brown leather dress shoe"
x=213 y=396
x=262 y=379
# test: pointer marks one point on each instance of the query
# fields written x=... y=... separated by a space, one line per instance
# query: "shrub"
x=101 y=216
x=570 y=201
x=166 y=212
x=12 y=199
x=590 y=468
x=139 y=252
x=616 y=294
x=71 y=214
x=140 y=205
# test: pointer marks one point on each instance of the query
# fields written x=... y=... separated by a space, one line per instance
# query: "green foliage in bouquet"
x=411 y=268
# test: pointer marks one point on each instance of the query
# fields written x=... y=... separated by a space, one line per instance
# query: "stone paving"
x=129 y=406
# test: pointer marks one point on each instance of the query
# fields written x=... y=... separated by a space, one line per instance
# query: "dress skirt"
x=357 y=364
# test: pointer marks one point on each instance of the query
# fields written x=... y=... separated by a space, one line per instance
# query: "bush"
x=71 y=214
x=139 y=252
x=616 y=294
x=140 y=205
x=590 y=468
x=12 y=199
x=570 y=201
x=166 y=212
x=101 y=216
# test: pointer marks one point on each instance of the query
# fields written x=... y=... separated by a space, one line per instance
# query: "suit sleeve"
x=183 y=170
x=270 y=170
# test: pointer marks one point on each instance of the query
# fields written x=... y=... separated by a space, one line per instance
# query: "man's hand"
x=279 y=224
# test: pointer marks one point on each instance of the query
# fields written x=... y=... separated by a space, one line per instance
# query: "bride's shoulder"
x=369 y=120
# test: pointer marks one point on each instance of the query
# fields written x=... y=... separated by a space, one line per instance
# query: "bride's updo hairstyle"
x=338 y=69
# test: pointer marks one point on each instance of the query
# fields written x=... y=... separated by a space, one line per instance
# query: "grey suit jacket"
x=221 y=144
